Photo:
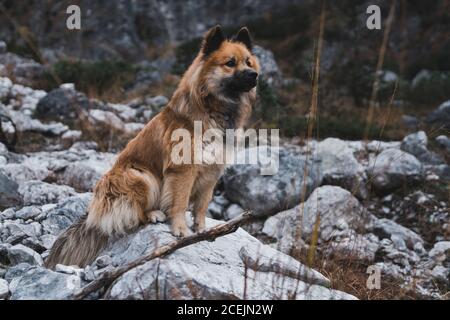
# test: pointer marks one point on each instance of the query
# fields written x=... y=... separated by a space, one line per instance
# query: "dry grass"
x=349 y=274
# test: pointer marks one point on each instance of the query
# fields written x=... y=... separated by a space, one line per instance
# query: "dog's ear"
x=212 y=40
x=243 y=36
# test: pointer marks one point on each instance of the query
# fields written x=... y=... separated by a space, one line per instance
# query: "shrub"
x=96 y=76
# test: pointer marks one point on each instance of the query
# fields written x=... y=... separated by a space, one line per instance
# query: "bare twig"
x=211 y=234
x=380 y=62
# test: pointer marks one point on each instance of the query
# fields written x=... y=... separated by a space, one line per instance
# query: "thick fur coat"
x=145 y=185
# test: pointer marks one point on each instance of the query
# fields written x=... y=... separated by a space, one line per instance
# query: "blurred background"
x=129 y=48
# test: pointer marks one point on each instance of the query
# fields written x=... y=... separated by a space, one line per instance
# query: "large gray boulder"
x=336 y=211
x=394 y=168
x=212 y=270
x=62 y=104
x=296 y=177
x=340 y=167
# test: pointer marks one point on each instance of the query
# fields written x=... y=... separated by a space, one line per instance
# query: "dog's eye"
x=248 y=62
x=231 y=63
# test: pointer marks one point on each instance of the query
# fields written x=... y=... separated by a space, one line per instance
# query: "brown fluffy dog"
x=144 y=184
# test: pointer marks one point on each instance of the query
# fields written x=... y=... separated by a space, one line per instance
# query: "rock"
x=133 y=128
x=18 y=231
x=38 y=192
x=385 y=228
x=421 y=76
x=394 y=168
x=270 y=71
x=9 y=195
x=28 y=169
x=416 y=144
x=233 y=211
x=42 y=284
x=410 y=121
x=210 y=269
x=157 y=102
x=271 y=260
x=282 y=190
x=23 y=70
x=26 y=213
x=4 y=288
x=83 y=175
x=441 y=116
x=106 y=118
x=72 y=135
x=19 y=253
x=340 y=167
x=68 y=269
x=340 y=212
x=3 y=47
x=103 y=261
x=62 y=104
x=441 y=274
x=125 y=112
x=440 y=251
x=354 y=245
x=5 y=88
x=66 y=213
x=444 y=142
x=17 y=271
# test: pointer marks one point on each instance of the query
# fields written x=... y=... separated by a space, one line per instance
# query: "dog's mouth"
x=249 y=85
x=242 y=82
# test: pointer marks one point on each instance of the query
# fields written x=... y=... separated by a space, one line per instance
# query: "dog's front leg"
x=175 y=200
x=201 y=201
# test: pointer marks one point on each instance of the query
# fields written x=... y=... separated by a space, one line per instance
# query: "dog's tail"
x=79 y=245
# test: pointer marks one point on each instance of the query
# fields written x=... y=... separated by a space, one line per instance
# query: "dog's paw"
x=156 y=216
x=181 y=231
x=199 y=227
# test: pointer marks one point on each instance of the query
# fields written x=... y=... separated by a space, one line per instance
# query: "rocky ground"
x=382 y=203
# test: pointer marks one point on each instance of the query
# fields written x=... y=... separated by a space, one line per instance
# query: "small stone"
x=19 y=253
x=68 y=269
x=3 y=47
x=29 y=212
x=103 y=261
x=440 y=273
x=440 y=251
x=67 y=86
x=233 y=211
x=39 y=283
x=4 y=289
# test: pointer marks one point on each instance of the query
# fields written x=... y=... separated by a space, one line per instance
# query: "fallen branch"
x=211 y=234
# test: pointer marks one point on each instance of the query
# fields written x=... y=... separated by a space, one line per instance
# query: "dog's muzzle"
x=245 y=80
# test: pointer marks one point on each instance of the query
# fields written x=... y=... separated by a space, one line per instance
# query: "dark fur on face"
x=232 y=67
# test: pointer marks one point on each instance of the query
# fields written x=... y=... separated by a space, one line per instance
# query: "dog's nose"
x=251 y=75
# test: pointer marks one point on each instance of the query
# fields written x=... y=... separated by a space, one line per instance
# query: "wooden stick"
x=211 y=234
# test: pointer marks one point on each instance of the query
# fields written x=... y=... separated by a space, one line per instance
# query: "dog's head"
x=229 y=67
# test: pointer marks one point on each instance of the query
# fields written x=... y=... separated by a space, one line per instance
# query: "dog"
x=145 y=185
